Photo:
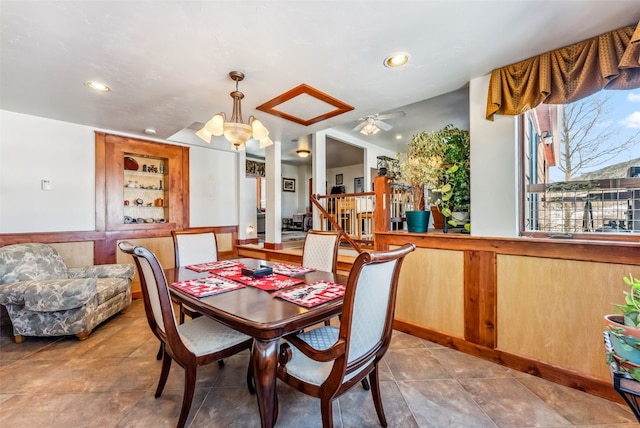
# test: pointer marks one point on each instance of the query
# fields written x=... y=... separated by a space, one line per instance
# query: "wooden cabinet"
x=140 y=185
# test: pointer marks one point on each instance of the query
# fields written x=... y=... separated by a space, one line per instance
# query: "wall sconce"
x=250 y=229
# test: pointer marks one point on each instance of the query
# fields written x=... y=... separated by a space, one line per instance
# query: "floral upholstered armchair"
x=45 y=298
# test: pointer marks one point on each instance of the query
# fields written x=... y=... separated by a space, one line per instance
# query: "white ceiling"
x=167 y=62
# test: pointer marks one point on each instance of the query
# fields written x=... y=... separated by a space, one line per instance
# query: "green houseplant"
x=455 y=188
x=624 y=329
x=421 y=166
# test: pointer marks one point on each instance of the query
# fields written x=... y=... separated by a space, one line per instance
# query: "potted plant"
x=624 y=329
x=455 y=188
x=421 y=166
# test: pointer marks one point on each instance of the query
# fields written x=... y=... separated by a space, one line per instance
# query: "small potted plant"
x=421 y=166
x=624 y=328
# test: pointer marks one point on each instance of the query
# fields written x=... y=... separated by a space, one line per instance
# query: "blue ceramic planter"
x=417 y=221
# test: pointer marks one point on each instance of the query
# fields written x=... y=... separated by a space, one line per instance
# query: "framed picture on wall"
x=358 y=184
x=338 y=179
x=288 y=184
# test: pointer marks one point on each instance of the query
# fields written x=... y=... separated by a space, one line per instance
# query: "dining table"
x=263 y=316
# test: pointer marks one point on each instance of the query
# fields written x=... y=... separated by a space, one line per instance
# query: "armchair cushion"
x=307 y=369
x=24 y=262
x=49 y=295
x=124 y=271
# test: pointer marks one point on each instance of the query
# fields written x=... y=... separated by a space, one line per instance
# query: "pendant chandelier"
x=235 y=131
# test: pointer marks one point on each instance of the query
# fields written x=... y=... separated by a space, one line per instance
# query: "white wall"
x=32 y=149
x=290 y=200
x=349 y=173
x=251 y=210
x=212 y=194
x=494 y=171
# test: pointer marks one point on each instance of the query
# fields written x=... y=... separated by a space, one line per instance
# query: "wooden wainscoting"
x=535 y=305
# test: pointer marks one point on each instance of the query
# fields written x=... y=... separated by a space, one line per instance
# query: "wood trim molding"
x=269 y=106
x=562 y=249
x=273 y=245
x=480 y=298
x=247 y=241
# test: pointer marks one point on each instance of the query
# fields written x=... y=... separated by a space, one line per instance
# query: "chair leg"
x=365 y=384
x=160 y=351
x=181 y=314
x=377 y=398
x=164 y=373
x=250 y=381
x=189 y=388
x=326 y=408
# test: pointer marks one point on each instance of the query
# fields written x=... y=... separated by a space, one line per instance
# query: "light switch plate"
x=45 y=184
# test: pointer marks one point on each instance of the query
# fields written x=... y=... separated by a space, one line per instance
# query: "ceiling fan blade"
x=360 y=126
x=391 y=115
x=384 y=126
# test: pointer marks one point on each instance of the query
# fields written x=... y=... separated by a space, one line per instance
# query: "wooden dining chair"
x=191 y=344
x=320 y=251
x=327 y=361
x=193 y=247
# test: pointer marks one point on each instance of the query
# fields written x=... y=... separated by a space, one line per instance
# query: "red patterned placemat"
x=313 y=294
x=290 y=270
x=268 y=283
x=209 y=286
x=203 y=267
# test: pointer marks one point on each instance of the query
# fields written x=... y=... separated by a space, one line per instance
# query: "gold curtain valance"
x=607 y=61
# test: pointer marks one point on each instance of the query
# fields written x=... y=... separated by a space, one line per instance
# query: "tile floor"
x=109 y=380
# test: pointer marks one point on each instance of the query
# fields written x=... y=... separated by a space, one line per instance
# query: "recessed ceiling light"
x=399 y=137
x=98 y=86
x=396 y=60
x=150 y=131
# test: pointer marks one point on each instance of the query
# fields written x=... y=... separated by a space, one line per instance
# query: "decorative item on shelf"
x=161 y=168
x=235 y=131
x=126 y=202
x=624 y=329
x=139 y=202
x=160 y=220
x=160 y=185
x=387 y=166
x=130 y=164
x=132 y=184
x=144 y=168
x=158 y=202
x=149 y=220
x=128 y=220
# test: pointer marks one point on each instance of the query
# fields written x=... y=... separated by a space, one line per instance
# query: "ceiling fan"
x=374 y=122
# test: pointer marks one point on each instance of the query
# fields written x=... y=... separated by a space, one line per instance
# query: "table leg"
x=265 y=358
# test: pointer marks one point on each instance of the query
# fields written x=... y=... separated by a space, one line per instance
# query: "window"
x=581 y=168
